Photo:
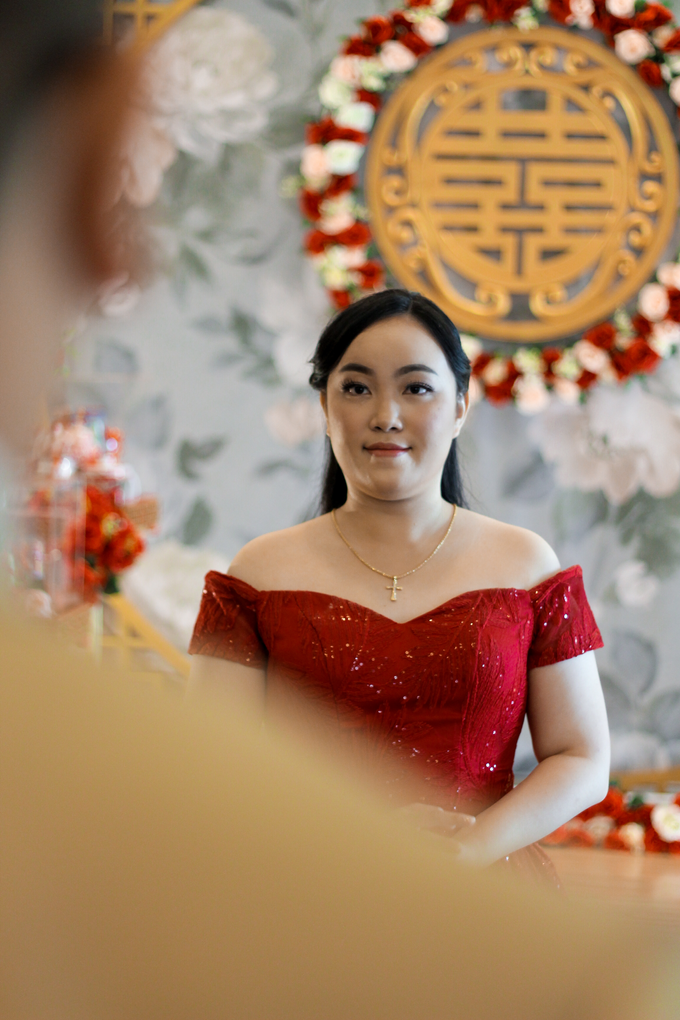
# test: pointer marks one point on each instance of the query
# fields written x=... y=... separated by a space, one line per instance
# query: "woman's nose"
x=387 y=416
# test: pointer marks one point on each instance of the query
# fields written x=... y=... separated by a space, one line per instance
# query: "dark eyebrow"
x=415 y=368
x=353 y=366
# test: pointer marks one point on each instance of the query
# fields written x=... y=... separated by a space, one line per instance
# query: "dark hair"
x=339 y=334
x=38 y=39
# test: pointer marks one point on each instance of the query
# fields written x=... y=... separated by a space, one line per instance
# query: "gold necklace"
x=394 y=587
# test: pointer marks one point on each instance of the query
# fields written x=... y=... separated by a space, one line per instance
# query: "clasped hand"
x=450 y=827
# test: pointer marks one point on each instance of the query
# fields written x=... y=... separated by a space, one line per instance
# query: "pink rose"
x=433 y=30
x=653 y=302
x=531 y=394
x=347 y=69
x=593 y=358
x=674 y=91
x=314 y=163
x=664 y=336
x=621 y=8
x=582 y=12
x=395 y=57
x=567 y=391
x=632 y=46
x=669 y=273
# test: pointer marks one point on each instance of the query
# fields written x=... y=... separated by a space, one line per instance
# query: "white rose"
x=373 y=75
x=335 y=277
x=334 y=93
x=634 y=585
x=207 y=78
x=673 y=62
x=495 y=372
x=669 y=273
x=567 y=367
x=531 y=394
x=343 y=157
x=592 y=358
x=662 y=34
x=349 y=258
x=472 y=346
x=474 y=14
x=632 y=46
x=527 y=361
x=567 y=391
x=674 y=91
x=396 y=57
x=621 y=8
x=433 y=30
x=599 y=826
x=666 y=821
x=294 y=422
x=337 y=214
x=359 y=116
x=347 y=69
x=633 y=835
x=664 y=337
x=582 y=12
x=314 y=163
x=653 y=301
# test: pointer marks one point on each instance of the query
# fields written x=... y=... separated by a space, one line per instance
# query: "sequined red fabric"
x=443 y=695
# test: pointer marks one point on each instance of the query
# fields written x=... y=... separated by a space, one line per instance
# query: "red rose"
x=638 y=358
x=340 y=184
x=676 y=799
x=602 y=335
x=366 y=96
x=340 y=298
x=549 y=355
x=674 y=304
x=123 y=549
x=560 y=837
x=94 y=538
x=418 y=3
x=650 y=72
x=673 y=43
x=559 y=10
x=653 y=16
x=355 y=235
x=378 y=30
x=642 y=326
x=459 y=9
x=327 y=130
x=480 y=362
x=310 y=202
x=358 y=47
x=654 y=843
x=371 y=274
x=501 y=10
x=399 y=20
x=501 y=393
x=613 y=841
x=415 y=44
x=586 y=380
x=612 y=805
x=316 y=242
x=641 y=814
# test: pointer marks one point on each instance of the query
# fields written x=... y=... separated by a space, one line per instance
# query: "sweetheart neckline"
x=261 y=592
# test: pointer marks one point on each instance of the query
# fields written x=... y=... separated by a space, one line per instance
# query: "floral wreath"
x=340 y=244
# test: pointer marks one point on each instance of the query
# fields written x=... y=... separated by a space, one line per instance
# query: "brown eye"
x=355 y=388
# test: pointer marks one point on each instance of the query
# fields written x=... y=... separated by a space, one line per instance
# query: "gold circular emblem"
x=525 y=181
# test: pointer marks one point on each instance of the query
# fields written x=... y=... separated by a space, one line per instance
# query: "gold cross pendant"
x=394 y=587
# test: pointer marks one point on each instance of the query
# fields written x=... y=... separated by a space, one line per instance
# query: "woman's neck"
x=387 y=521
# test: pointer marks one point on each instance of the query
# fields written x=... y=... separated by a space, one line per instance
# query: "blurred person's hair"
x=39 y=41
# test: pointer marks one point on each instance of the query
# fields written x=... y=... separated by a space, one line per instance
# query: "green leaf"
x=188 y=453
x=281 y=5
x=272 y=467
x=197 y=523
x=194 y=263
x=211 y=324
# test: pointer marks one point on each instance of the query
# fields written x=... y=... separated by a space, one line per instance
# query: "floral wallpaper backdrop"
x=205 y=369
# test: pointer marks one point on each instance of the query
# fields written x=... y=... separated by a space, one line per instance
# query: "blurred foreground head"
x=63 y=102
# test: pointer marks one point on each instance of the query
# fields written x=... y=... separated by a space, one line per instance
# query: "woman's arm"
x=239 y=687
x=568 y=724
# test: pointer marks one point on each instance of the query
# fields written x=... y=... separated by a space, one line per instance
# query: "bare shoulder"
x=522 y=558
x=272 y=560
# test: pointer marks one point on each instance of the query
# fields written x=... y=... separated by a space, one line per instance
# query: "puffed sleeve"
x=564 y=625
x=226 y=627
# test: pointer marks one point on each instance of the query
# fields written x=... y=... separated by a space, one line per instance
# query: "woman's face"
x=393 y=409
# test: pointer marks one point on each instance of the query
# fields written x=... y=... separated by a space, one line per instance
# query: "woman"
x=425 y=626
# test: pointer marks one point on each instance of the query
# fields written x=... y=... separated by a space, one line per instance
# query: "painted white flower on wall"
x=292 y=422
x=147 y=154
x=207 y=79
x=634 y=585
x=621 y=440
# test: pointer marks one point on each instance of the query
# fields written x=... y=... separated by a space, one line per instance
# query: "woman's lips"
x=386 y=449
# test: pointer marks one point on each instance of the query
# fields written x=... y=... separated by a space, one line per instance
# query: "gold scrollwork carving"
x=537 y=184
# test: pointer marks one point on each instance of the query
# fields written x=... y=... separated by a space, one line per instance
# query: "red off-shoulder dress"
x=441 y=697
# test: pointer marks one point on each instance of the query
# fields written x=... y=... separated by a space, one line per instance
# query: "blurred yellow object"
x=663 y=780
x=136 y=646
